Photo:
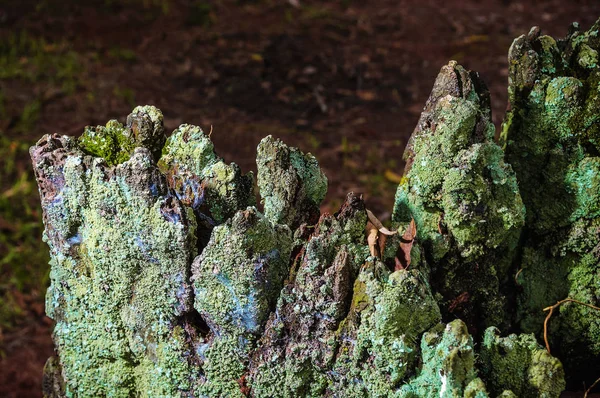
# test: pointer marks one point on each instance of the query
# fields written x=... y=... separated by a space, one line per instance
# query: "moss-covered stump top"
x=115 y=142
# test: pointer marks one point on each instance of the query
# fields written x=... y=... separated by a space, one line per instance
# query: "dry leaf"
x=366 y=95
x=375 y=221
x=372 y=239
x=406 y=243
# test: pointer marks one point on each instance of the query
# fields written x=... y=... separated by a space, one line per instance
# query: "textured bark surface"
x=552 y=139
x=167 y=280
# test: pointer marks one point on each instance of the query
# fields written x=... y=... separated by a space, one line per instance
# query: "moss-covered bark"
x=552 y=139
x=167 y=281
x=464 y=199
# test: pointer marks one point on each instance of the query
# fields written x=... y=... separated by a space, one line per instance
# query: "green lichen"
x=120 y=253
x=339 y=328
x=378 y=339
x=238 y=277
x=552 y=141
x=448 y=364
x=237 y=281
x=311 y=307
x=402 y=309
x=519 y=363
x=201 y=179
x=476 y=389
x=463 y=197
x=291 y=184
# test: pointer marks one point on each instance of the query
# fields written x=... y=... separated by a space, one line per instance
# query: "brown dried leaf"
x=372 y=239
x=366 y=95
x=406 y=243
x=381 y=240
x=375 y=221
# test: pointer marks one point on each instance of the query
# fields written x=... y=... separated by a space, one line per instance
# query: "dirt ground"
x=345 y=80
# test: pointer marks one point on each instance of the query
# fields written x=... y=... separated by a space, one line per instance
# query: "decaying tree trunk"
x=166 y=280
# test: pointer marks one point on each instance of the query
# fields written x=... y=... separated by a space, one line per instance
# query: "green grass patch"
x=23 y=256
x=36 y=60
x=38 y=67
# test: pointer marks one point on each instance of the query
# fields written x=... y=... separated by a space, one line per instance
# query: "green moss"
x=113 y=143
x=520 y=364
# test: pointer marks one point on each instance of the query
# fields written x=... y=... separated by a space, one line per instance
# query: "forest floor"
x=345 y=80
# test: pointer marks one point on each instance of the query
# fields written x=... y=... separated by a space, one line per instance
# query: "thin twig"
x=551 y=309
x=591 y=388
x=517 y=276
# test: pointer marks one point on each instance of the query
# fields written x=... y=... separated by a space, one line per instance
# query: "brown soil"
x=345 y=80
